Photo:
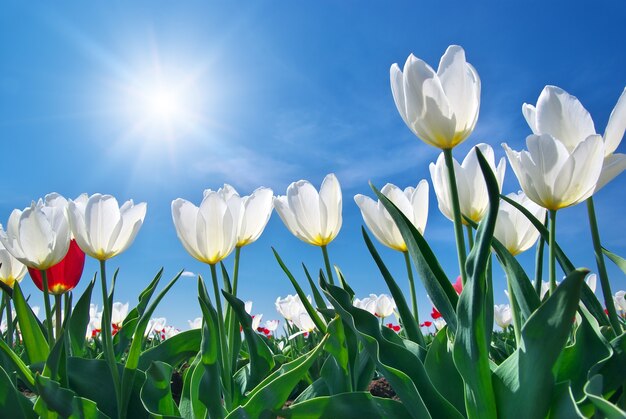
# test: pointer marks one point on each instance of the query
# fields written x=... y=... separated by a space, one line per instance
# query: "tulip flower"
x=38 y=236
x=313 y=217
x=564 y=117
x=11 y=269
x=513 y=229
x=502 y=315
x=440 y=108
x=473 y=196
x=413 y=202
x=619 y=301
x=101 y=227
x=195 y=323
x=379 y=305
x=119 y=312
x=290 y=306
x=63 y=276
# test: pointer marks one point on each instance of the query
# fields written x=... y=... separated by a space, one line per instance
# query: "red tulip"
x=63 y=276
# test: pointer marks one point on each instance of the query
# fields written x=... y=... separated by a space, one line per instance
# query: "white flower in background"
x=440 y=108
x=209 y=232
x=471 y=185
x=195 y=323
x=250 y=213
x=11 y=269
x=290 y=306
x=552 y=176
x=168 y=332
x=545 y=285
x=256 y=318
x=413 y=202
x=38 y=236
x=563 y=116
x=101 y=227
x=119 y=312
x=379 y=305
x=591 y=281
x=271 y=325
x=502 y=315
x=313 y=217
x=439 y=323
x=620 y=302
x=513 y=229
x=95 y=321
x=304 y=322
x=155 y=327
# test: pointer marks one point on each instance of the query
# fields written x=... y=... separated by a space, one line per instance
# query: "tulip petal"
x=613 y=165
x=616 y=126
x=330 y=201
x=530 y=114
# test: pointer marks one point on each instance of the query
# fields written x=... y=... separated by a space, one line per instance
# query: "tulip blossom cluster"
x=292 y=309
x=379 y=305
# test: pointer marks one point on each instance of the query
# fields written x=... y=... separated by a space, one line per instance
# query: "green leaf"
x=411 y=328
x=317 y=389
x=617 y=260
x=174 y=350
x=79 y=320
x=400 y=366
x=22 y=369
x=563 y=405
x=442 y=372
x=271 y=394
x=588 y=298
x=156 y=392
x=55 y=399
x=437 y=284
x=473 y=334
x=347 y=405
x=35 y=342
x=527 y=374
x=261 y=357
x=608 y=410
x=12 y=402
x=317 y=296
x=305 y=301
x=612 y=369
x=190 y=406
x=336 y=368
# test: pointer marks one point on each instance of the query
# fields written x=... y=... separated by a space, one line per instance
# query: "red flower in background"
x=458 y=285
x=394 y=327
x=435 y=314
x=63 y=276
x=426 y=324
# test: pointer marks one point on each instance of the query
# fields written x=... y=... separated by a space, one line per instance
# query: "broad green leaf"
x=473 y=333
x=576 y=360
x=587 y=297
x=79 y=320
x=307 y=305
x=190 y=406
x=336 y=368
x=342 y=281
x=617 y=260
x=401 y=367
x=270 y=395
x=317 y=389
x=35 y=342
x=156 y=392
x=437 y=284
x=174 y=350
x=612 y=370
x=411 y=328
x=261 y=357
x=20 y=367
x=54 y=400
x=606 y=409
x=442 y=372
x=365 y=367
x=317 y=296
x=563 y=405
x=347 y=405
x=527 y=374
x=13 y=403
x=56 y=361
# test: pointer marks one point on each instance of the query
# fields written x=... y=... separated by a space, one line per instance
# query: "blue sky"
x=276 y=92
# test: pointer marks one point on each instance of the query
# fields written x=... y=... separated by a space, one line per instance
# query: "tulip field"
x=557 y=349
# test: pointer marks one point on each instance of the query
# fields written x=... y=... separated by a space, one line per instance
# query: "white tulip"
x=379 y=305
x=513 y=229
x=11 y=269
x=304 y=322
x=119 y=312
x=250 y=213
x=563 y=116
x=553 y=177
x=271 y=325
x=208 y=232
x=471 y=185
x=101 y=227
x=38 y=236
x=312 y=217
x=195 y=323
x=502 y=315
x=440 y=108
x=413 y=202
x=620 y=301
x=155 y=326
x=290 y=306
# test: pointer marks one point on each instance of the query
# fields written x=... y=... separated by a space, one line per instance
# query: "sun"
x=163 y=104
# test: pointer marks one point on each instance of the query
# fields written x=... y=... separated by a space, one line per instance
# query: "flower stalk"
x=409 y=272
x=46 y=302
x=604 y=278
x=221 y=330
x=539 y=260
x=7 y=305
x=107 y=340
x=456 y=210
x=329 y=271
x=552 y=253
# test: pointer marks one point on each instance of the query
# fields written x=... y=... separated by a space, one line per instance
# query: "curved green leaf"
x=174 y=350
x=606 y=409
x=55 y=399
x=442 y=372
x=79 y=320
x=619 y=261
x=12 y=402
x=35 y=342
x=347 y=405
x=156 y=392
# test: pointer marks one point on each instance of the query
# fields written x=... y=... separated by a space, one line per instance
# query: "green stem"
x=46 y=303
x=68 y=315
x=517 y=326
x=604 y=277
x=57 y=315
x=7 y=304
x=456 y=210
x=107 y=341
x=539 y=260
x=227 y=373
x=552 y=254
x=231 y=322
x=329 y=271
x=470 y=236
x=236 y=270
x=409 y=271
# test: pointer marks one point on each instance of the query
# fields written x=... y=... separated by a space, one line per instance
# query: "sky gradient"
x=275 y=92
